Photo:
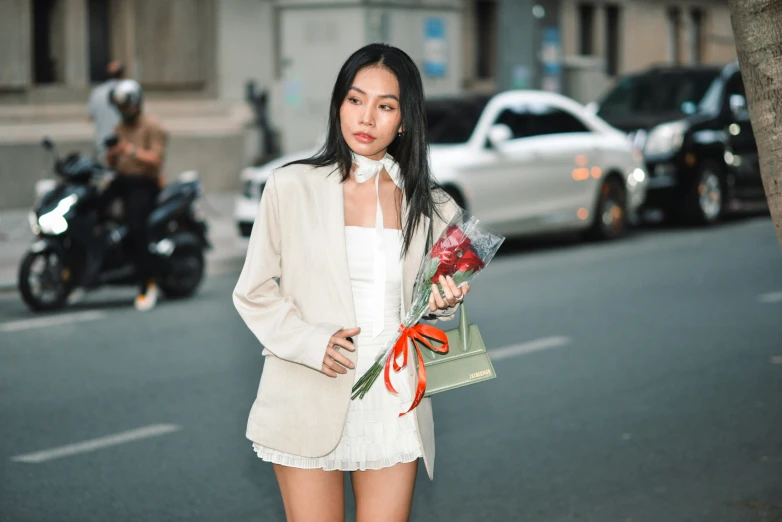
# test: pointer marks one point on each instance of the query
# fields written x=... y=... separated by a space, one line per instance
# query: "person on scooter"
x=138 y=156
x=102 y=113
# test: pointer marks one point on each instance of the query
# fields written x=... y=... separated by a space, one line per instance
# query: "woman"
x=344 y=232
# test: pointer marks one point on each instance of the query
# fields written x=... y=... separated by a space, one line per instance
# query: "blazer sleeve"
x=273 y=318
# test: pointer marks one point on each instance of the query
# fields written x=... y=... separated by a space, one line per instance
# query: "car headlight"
x=666 y=138
x=635 y=177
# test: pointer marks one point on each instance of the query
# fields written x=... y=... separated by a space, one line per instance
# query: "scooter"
x=81 y=243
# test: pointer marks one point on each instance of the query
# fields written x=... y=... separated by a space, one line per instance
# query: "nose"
x=367 y=117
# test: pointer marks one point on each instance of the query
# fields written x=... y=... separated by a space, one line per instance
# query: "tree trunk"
x=757 y=28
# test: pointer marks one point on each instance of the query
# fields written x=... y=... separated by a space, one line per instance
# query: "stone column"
x=516 y=45
x=600 y=32
x=672 y=36
x=15 y=57
x=76 y=43
x=690 y=37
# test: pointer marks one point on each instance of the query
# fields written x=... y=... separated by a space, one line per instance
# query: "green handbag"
x=465 y=363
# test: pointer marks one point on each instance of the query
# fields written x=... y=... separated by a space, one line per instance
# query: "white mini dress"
x=374 y=436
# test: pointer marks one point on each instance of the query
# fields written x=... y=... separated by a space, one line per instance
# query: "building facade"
x=594 y=41
x=196 y=57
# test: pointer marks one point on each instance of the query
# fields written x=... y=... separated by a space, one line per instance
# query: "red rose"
x=443 y=270
x=469 y=261
x=456 y=238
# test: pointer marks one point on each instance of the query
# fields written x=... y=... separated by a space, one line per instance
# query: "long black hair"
x=409 y=149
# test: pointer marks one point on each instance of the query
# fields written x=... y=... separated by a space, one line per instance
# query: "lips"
x=363 y=137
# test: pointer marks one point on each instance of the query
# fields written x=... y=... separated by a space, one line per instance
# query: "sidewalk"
x=228 y=252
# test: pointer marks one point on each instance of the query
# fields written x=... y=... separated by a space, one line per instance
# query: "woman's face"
x=370 y=115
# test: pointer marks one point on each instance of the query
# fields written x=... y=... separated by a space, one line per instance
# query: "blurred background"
x=199 y=59
x=632 y=315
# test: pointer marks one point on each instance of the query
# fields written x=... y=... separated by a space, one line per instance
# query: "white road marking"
x=96 y=444
x=770 y=298
x=52 y=320
x=528 y=347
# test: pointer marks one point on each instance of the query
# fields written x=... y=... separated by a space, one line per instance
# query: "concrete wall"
x=245 y=46
x=217 y=158
x=720 y=48
x=643 y=33
x=314 y=44
x=407 y=33
x=316 y=41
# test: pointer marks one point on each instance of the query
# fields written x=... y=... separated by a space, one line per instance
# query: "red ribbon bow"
x=421 y=333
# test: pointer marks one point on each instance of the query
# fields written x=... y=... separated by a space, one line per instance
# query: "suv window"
x=556 y=121
x=656 y=92
x=539 y=120
x=735 y=86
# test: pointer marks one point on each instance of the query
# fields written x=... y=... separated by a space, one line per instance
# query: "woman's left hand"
x=453 y=294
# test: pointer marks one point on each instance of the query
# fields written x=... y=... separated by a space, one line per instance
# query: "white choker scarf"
x=365 y=170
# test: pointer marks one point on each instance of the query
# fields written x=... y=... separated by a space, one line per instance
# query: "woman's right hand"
x=334 y=362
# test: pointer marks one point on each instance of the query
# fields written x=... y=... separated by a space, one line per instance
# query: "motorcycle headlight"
x=666 y=138
x=54 y=222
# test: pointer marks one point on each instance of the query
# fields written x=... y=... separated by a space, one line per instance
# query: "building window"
x=674 y=43
x=586 y=24
x=48 y=41
x=612 y=40
x=486 y=21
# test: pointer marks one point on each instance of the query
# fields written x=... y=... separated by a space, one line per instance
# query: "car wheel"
x=610 y=221
x=704 y=204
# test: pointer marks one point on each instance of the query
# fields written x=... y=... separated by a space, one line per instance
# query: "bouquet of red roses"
x=462 y=251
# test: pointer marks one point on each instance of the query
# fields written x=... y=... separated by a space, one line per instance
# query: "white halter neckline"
x=365 y=170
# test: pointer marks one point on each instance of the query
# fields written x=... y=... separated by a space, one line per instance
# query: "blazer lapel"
x=333 y=211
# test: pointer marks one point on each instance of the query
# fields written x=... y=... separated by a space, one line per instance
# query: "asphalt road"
x=638 y=381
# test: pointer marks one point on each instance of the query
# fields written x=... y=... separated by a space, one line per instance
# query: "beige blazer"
x=294 y=293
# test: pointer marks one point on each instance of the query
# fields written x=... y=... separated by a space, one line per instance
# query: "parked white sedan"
x=524 y=162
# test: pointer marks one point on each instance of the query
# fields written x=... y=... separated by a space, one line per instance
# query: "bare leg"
x=384 y=495
x=311 y=495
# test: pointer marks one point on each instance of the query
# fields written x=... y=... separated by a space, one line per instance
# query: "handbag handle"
x=464 y=328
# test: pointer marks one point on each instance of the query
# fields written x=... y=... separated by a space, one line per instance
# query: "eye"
x=388 y=107
x=354 y=100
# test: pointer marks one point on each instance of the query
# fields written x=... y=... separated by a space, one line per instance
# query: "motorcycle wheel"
x=183 y=273
x=43 y=281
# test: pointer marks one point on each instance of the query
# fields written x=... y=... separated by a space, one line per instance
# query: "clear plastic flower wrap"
x=462 y=251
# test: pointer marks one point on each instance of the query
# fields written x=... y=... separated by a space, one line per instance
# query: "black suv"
x=702 y=158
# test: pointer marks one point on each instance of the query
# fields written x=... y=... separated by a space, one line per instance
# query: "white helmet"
x=126 y=92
